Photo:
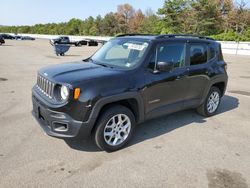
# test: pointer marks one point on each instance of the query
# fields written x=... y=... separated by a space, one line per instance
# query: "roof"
x=166 y=36
x=142 y=36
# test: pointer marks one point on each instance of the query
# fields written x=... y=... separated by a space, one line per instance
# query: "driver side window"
x=174 y=53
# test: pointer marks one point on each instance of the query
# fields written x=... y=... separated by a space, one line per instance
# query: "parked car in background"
x=60 y=40
x=1 y=40
x=66 y=40
x=81 y=43
x=92 y=43
x=7 y=36
x=18 y=37
x=27 y=38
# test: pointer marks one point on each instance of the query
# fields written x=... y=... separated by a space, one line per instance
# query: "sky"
x=30 y=12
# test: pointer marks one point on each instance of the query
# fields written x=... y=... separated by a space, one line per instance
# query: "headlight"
x=64 y=93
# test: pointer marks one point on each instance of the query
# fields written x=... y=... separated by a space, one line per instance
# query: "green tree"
x=173 y=13
x=98 y=25
x=74 y=26
x=152 y=23
x=109 y=25
x=206 y=17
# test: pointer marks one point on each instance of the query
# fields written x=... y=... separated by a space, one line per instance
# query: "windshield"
x=123 y=53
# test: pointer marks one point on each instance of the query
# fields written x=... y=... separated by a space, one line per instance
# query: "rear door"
x=198 y=72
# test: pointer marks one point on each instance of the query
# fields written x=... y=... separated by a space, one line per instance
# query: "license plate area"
x=38 y=110
x=40 y=115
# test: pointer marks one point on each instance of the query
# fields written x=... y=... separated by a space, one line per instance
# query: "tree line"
x=221 y=19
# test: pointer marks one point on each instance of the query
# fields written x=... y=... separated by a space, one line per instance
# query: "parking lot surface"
x=179 y=150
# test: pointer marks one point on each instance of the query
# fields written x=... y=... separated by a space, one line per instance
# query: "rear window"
x=212 y=51
x=198 y=54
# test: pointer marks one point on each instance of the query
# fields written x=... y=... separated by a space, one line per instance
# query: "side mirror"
x=164 y=66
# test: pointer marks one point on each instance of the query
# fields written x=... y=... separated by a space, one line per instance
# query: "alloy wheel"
x=213 y=102
x=117 y=129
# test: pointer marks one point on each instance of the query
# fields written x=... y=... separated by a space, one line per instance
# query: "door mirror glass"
x=165 y=66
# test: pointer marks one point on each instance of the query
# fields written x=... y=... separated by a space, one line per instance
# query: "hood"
x=76 y=71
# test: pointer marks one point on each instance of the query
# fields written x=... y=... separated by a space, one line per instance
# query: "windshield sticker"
x=139 y=47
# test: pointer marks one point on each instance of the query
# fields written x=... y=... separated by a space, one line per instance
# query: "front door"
x=165 y=91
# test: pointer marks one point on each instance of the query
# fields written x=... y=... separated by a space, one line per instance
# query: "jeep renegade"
x=131 y=79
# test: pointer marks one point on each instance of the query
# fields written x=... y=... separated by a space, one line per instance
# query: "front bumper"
x=59 y=124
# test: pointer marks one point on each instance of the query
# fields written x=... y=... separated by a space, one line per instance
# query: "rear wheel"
x=211 y=104
x=114 y=128
x=78 y=44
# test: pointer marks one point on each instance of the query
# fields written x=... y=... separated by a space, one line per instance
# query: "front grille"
x=45 y=86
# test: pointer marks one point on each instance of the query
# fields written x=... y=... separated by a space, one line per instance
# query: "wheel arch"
x=218 y=81
x=131 y=100
x=221 y=86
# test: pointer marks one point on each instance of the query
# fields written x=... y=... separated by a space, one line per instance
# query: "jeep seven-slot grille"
x=45 y=86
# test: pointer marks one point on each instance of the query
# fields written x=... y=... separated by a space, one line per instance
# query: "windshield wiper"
x=102 y=64
x=99 y=63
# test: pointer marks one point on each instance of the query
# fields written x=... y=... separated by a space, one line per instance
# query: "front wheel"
x=115 y=128
x=78 y=44
x=211 y=104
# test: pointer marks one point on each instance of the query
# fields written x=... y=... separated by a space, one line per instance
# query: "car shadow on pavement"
x=159 y=126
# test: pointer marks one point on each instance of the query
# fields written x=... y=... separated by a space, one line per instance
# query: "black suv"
x=131 y=79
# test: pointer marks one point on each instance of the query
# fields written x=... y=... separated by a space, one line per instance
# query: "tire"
x=78 y=44
x=207 y=110
x=110 y=135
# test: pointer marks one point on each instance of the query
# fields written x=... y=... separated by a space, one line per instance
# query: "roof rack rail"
x=183 y=35
x=133 y=34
